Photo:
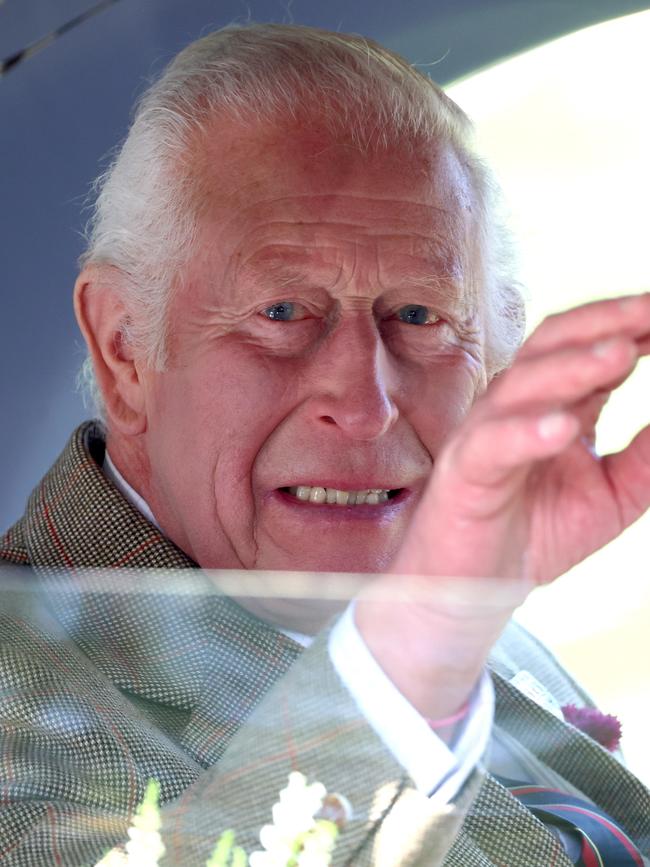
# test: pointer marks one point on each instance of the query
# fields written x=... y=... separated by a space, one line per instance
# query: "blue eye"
x=283 y=311
x=416 y=314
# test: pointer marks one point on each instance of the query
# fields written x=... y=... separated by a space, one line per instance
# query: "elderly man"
x=299 y=313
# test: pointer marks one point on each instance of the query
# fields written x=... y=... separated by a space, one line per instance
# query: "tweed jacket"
x=108 y=678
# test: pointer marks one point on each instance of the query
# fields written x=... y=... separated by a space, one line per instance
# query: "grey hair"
x=145 y=218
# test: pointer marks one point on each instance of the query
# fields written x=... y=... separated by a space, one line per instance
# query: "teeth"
x=316 y=494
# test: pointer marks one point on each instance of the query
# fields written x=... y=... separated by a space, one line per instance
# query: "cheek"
x=445 y=396
x=244 y=391
x=229 y=402
x=227 y=382
x=209 y=422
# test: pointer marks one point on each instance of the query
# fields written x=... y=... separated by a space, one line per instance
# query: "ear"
x=101 y=316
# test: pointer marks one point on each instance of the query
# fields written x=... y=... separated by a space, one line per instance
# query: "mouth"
x=321 y=496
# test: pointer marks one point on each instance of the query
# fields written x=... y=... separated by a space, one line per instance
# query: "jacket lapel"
x=164 y=636
x=498 y=830
x=577 y=758
x=244 y=659
x=77 y=519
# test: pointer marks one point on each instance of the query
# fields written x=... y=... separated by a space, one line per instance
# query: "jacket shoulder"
x=12 y=545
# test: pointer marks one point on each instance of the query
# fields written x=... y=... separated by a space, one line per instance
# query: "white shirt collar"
x=114 y=475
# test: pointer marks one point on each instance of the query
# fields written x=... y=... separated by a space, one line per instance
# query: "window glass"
x=567 y=130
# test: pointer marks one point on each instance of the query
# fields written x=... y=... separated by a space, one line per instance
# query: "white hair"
x=144 y=219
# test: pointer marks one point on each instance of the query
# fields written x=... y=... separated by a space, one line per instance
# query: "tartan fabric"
x=107 y=679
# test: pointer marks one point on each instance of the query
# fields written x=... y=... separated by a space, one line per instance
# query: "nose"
x=354 y=381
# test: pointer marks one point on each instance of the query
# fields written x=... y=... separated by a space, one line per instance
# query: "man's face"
x=327 y=337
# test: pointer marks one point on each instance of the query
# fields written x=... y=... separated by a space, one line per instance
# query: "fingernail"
x=603 y=348
x=552 y=425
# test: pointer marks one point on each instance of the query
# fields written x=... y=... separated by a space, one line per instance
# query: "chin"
x=328 y=561
x=304 y=593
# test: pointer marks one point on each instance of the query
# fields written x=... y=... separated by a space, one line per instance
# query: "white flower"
x=318 y=844
x=306 y=822
x=144 y=848
x=114 y=858
x=145 y=845
x=265 y=859
x=314 y=859
x=296 y=836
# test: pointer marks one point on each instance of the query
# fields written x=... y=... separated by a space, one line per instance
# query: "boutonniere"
x=306 y=824
x=145 y=845
x=604 y=728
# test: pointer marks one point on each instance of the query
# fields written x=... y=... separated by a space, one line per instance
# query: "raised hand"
x=519 y=490
x=517 y=496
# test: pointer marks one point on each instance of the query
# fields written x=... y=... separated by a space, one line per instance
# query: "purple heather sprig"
x=604 y=728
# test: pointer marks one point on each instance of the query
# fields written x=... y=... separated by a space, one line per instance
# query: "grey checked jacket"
x=109 y=678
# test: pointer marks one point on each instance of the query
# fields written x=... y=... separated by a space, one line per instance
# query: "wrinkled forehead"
x=286 y=197
x=243 y=163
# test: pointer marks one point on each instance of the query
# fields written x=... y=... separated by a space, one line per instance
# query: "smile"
x=335 y=497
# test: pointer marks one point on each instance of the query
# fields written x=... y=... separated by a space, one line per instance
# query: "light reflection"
x=566 y=129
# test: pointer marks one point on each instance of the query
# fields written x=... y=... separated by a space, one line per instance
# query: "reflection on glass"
x=565 y=128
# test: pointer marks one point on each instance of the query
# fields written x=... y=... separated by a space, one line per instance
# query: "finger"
x=629 y=475
x=490 y=456
x=643 y=345
x=565 y=376
x=629 y=316
x=588 y=412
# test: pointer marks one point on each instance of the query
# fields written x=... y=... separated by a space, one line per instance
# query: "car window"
x=565 y=128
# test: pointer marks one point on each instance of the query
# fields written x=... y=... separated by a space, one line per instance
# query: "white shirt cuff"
x=435 y=769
